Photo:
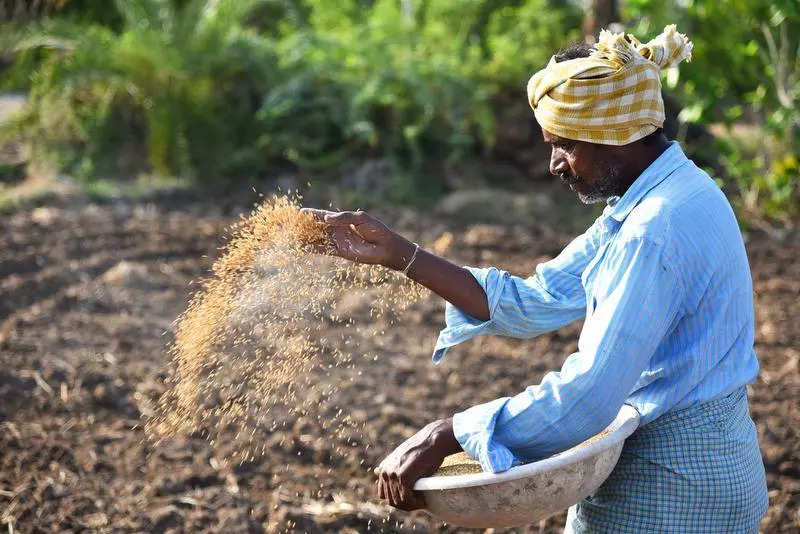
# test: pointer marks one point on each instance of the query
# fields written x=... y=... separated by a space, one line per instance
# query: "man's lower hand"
x=417 y=457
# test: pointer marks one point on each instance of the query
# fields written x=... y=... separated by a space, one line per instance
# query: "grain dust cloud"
x=249 y=348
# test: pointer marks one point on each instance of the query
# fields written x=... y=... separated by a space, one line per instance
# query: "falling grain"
x=249 y=348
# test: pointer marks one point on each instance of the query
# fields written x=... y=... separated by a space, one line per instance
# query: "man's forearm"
x=448 y=280
x=443 y=437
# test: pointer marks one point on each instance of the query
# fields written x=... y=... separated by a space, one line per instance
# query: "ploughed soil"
x=88 y=294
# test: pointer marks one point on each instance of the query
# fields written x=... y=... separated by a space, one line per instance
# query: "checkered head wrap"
x=612 y=97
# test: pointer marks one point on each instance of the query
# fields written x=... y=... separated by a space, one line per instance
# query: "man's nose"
x=557 y=163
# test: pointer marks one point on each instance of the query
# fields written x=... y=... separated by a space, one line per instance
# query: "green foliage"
x=174 y=86
x=378 y=82
x=730 y=66
x=746 y=67
x=522 y=38
x=228 y=89
x=217 y=91
x=766 y=175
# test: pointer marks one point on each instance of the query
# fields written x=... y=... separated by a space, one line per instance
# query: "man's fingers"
x=403 y=497
x=317 y=214
x=381 y=490
x=412 y=500
x=354 y=228
x=401 y=489
x=346 y=218
x=337 y=218
x=393 y=494
x=394 y=490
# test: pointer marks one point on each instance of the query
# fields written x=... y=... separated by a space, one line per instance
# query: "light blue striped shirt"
x=663 y=282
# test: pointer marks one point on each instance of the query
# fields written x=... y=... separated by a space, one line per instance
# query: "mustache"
x=569 y=179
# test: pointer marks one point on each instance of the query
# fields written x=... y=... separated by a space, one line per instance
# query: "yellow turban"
x=612 y=97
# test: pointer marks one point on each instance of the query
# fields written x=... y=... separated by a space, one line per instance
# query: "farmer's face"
x=593 y=171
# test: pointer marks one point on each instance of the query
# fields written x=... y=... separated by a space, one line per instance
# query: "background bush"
x=745 y=79
x=219 y=91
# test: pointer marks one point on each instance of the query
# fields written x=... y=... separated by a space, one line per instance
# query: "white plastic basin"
x=528 y=493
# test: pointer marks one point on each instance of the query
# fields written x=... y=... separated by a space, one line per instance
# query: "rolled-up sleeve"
x=525 y=307
x=637 y=306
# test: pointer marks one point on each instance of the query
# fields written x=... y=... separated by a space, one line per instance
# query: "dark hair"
x=574 y=51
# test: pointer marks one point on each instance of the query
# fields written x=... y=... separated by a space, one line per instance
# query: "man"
x=663 y=282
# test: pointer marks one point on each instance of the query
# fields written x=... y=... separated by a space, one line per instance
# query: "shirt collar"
x=619 y=207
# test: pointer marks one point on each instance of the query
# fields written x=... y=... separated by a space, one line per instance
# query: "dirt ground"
x=88 y=293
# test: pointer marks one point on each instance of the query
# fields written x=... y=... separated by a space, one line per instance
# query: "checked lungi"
x=693 y=470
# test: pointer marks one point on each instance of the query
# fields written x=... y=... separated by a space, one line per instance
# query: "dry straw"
x=251 y=339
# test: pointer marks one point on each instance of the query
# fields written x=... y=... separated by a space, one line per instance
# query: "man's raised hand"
x=359 y=237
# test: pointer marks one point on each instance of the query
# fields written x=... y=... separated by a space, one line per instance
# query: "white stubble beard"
x=605 y=188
